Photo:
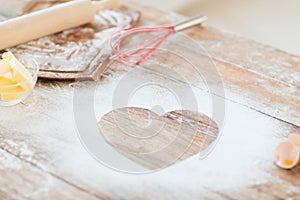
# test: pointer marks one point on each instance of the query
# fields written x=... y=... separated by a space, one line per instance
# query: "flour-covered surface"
x=32 y=183
x=43 y=158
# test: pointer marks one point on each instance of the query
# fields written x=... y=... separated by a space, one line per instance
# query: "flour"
x=8 y=162
x=239 y=160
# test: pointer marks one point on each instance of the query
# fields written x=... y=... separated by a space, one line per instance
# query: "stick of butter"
x=4 y=66
x=12 y=72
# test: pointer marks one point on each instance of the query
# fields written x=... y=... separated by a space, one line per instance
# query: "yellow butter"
x=4 y=66
x=13 y=72
x=12 y=93
x=7 y=79
x=19 y=72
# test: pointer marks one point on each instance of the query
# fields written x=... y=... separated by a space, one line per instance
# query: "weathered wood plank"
x=41 y=131
x=248 y=134
x=155 y=141
x=269 y=78
x=20 y=180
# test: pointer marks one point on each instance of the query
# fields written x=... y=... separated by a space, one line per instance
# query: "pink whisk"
x=141 y=50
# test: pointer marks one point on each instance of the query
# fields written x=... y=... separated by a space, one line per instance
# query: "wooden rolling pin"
x=51 y=20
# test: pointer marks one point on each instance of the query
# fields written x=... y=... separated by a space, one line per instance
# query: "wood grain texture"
x=154 y=141
x=32 y=183
x=269 y=78
x=41 y=136
x=249 y=138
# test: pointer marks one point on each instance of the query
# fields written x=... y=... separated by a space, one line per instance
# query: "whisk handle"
x=197 y=20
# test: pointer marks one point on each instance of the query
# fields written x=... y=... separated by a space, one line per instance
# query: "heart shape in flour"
x=155 y=141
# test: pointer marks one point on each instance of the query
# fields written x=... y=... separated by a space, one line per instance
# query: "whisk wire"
x=142 y=43
x=145 y=44
x=141 y=50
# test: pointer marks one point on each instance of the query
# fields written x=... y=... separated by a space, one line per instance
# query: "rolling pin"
x=51 y=20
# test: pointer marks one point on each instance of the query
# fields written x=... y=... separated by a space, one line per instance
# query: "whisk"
x=141 y=50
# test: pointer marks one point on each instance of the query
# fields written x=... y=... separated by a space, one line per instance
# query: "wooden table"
x=42 y=157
